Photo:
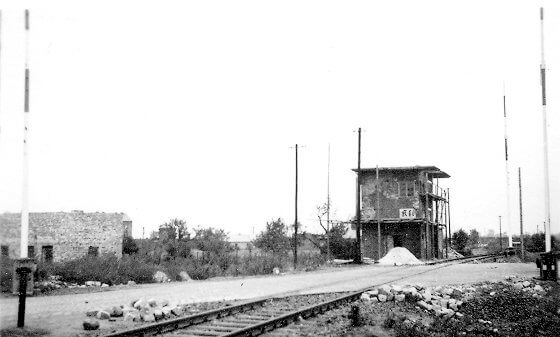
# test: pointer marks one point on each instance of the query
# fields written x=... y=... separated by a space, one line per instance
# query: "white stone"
x=399 y=298
x=526 y=283
x=102 y=314
x=148 y=318
x=518 y=285
x=538 y=288
x=397 y=289
x=382 y=298
x=365 y=297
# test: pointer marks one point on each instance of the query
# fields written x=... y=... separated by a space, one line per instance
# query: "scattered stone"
x=518 y=285
x=526 y=283
x=382 y=298
x=492 y=293
x=91 y=324
x=424 y=305
x=101 y=314
x=93 y=283
x=538 y=288
x=152 y=302
x=130 y=317
x=177 y=311
x=166 y=312
x=148 y=318
x=374 y=300
x=158 y=314
x=390 y=297
x=399 y=298
x=276 y=271
x=104 y=285
x=131 y=283
x=92 y=313
x=116 y=312
x=396 y=289
x=459 y=315
x=365 y=297
x=384 y=289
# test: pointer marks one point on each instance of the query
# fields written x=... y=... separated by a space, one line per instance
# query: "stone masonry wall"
x=69 y=233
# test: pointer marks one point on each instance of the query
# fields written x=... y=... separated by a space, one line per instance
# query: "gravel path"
x=64 y=314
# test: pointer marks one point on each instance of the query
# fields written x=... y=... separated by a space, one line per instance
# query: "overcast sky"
x=190 y=109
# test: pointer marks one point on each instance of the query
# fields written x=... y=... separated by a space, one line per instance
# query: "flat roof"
x=432 y=170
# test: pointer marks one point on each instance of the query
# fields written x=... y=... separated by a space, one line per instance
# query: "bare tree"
x=322 y=213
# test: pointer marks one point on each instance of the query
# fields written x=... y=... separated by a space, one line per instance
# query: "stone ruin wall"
x=71 y=234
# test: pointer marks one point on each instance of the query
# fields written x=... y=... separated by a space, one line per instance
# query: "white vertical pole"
x=548 y=246
x=0 y=58
x=25 y=187
x=508 y=202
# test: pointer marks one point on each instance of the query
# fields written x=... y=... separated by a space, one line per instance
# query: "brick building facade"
x=61 y=236
x=407 y=207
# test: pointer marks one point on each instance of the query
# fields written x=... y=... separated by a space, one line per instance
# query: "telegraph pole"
x=328 y=202
x=358 y=257
x=548 y=243
x=521 y=215
x=296 y=219
x=500 y=219
x=24 y=266
x=377 y=212
x=508 y=210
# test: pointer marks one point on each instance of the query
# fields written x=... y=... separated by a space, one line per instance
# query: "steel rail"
x=261 y=327
x=183 y=322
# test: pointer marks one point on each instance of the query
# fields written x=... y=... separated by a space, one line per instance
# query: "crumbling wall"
x=69 y=233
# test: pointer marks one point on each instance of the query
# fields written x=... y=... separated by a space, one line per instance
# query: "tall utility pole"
x=548 y=243
x=358 y=257
x=521 y=216
x=449 y=216
x=24 y=265
x=296 y=220
x=328 y=202
x=25 y=185
x=500 y=219
x=508 y=205
x=377 y=212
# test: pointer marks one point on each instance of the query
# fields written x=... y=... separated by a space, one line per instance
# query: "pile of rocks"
x=531 y=286
x=443 y=301
x=141 y=310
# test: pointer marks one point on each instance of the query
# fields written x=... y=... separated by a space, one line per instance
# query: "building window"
x=47 y=254
x=93 y=251
x=31 y=252
x=5 y=251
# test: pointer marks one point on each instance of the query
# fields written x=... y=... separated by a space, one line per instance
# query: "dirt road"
x=64 y=314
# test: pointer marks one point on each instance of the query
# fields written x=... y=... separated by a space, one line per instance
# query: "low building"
x=404 y=207
x=61 y=236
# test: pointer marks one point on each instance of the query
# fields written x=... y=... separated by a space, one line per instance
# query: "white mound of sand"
x=399 y=256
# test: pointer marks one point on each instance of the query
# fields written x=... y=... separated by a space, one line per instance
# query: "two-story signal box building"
x=404 y=207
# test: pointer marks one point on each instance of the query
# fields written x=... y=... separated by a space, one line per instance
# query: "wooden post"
x=358 y=257
x=521 y=216
x=377 y=213
x=296 y=213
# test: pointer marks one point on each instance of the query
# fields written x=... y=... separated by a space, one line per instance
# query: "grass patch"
x=23 y=332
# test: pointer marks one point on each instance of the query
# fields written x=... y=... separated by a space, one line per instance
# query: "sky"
x=192 y=109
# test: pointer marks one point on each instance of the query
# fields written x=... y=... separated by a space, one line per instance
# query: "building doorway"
x=398 y=240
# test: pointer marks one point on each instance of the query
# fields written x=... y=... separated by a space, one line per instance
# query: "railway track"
x=263 y=315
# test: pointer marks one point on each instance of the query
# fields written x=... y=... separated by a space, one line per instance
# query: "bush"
x=106 y=269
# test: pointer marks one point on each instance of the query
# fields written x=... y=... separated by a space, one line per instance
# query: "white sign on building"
x=407 y=213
